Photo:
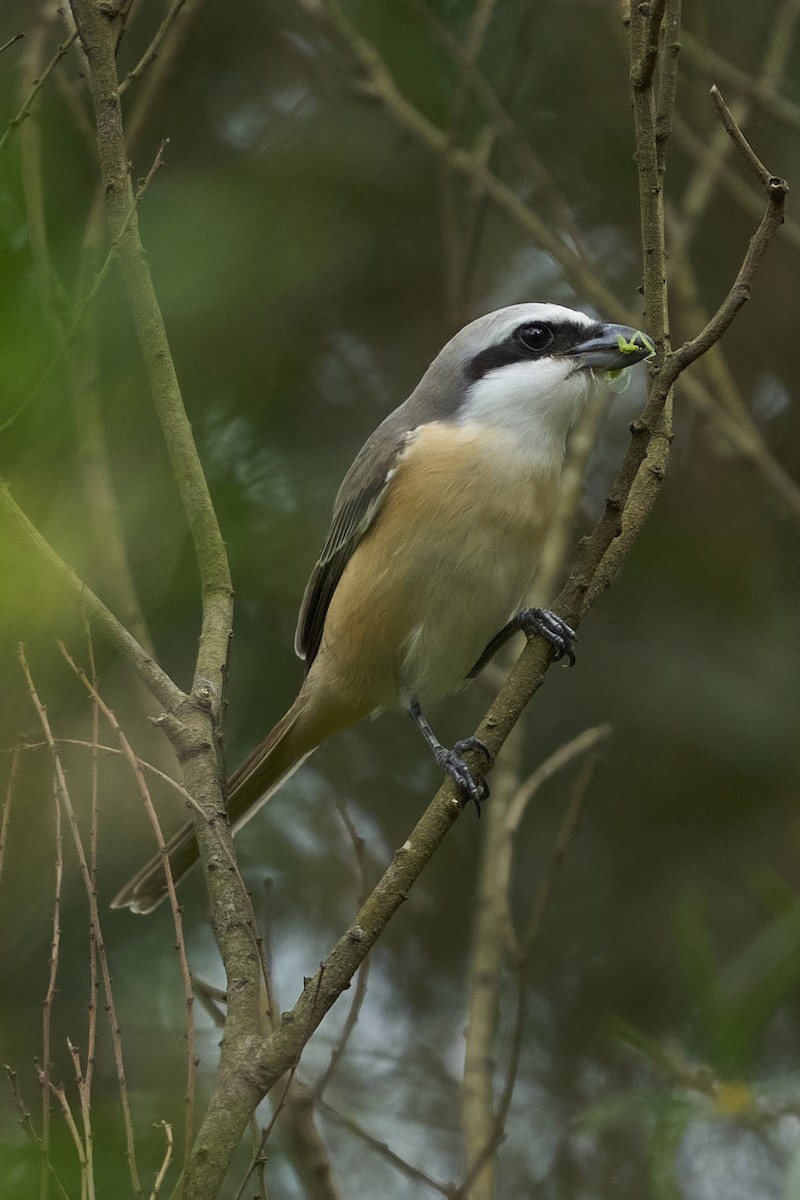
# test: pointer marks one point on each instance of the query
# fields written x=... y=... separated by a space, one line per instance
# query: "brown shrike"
x=434 y=541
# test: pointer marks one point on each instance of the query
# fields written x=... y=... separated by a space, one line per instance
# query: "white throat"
x=537 y=403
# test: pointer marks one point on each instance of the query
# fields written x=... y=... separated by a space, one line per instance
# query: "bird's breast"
x=448 y=558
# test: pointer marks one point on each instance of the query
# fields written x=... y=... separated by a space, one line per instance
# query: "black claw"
x=474 y=743
x=471 y=785
x=544 y=623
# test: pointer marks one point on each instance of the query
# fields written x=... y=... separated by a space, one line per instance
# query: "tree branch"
x=96 y=30
x=159 y=683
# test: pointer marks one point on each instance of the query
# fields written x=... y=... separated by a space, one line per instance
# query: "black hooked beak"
x=612 y=348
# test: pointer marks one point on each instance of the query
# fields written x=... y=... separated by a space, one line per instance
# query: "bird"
x=433 y=544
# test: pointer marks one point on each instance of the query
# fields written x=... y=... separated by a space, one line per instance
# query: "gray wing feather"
x=357 y=505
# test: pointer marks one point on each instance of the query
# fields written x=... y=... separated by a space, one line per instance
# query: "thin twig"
x=748 y=199
x=763 y=92
x=14 y=38
x=86 y=1152
x=776 y=190
x=16 y=121
x=78 y=318
x=61 y=1096
x=521 y=965
x=5 y=820
x=383 y=87
x=162 y=1171
x=739 y=140
x=96 y=32
x=148 y=670
x=116 y=1038
x=27 y=1124
x=152 y=50
x=562 y=757
x=191 y=1040
x=47 y=1006
x=415 y=1174
x=93 y=831
x=100 y=746
x=360 y=992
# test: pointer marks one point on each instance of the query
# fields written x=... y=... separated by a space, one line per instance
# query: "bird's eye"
x=536 y=337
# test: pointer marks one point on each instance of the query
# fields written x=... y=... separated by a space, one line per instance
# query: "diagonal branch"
x=159 y=683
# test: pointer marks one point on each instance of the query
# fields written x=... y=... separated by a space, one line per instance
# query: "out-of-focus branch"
x=762 y=90
x=746 y=197
x=180 y=941
x=65 y=802
x=37 y=84
x=412 y=1172
x=152 y=51
x=699 y=191
x=470 y=168
x=148 y=670
x=489 y=1118
x=5 y=819
x=15 y=37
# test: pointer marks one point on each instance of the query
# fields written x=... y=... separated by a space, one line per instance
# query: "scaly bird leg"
x=471 y=785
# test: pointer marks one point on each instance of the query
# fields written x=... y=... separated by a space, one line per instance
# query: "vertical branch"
x=133 y=761
x=485 y=967
x=47 y=1007
x=650 y=166
x=96 y=29
x=5 y=819
x=65 y=802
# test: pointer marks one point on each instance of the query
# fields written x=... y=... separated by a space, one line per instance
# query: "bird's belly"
x=450 y=556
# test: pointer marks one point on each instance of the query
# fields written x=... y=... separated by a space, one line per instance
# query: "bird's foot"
x=541 y=622
x=470 y=783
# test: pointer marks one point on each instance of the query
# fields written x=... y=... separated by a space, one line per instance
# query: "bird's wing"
x=357 y=505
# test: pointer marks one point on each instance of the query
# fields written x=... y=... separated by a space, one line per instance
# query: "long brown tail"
x=258 y=778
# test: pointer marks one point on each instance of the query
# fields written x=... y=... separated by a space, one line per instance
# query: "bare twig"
x=521 y=964
x=191 y=1041
x=359 y=995
x=471 y=168
x=27 y=1125
x=700 y=189
x=86 y=1143
x=61 y=1096
x=115 y=750
x=776 y=191
x=93 y=830
x=153 y=49
x=745 y=196
x=415 y=1174
x=47 y=1006
x=15 y=37
x=5 y=820
x=739 y=140
x=149 y=671
x=162 y=1171
x=66 y=804
x=757 y=88
x=71 y=333
x=579 y=746
x=36 y=86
